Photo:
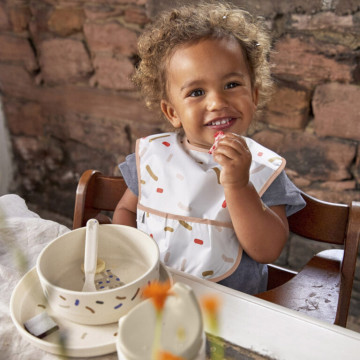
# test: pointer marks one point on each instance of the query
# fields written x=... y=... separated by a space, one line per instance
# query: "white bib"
x=182 y=204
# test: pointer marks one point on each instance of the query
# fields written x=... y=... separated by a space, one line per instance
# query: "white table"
x=272 y=330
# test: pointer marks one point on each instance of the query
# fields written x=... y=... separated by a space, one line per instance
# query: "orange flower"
x=157 y=292
x=164 y=355
x=210 y=304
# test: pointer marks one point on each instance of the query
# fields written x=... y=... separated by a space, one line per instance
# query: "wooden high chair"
x=322 y=289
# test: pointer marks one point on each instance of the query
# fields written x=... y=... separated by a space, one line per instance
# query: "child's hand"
x=234 y=156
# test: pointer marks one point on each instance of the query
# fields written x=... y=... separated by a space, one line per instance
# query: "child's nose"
x=216 y=101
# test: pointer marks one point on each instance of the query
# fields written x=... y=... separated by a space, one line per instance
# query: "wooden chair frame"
x=322 y=289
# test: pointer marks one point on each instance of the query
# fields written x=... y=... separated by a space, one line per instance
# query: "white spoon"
x=90 y=259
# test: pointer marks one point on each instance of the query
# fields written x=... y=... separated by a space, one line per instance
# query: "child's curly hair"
x=190 y=24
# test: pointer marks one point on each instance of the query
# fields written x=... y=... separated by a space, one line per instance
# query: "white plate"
x=27 y=300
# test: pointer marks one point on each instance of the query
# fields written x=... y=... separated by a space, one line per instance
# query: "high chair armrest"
x=278 y=275
x=314 y=290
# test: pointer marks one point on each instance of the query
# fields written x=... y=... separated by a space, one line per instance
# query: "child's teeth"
x=220 y=122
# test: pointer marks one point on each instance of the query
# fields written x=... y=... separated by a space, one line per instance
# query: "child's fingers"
x=226 y=155
x=232 y=145
x=228 y=152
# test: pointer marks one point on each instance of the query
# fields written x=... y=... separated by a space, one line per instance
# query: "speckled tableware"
x=131 y=257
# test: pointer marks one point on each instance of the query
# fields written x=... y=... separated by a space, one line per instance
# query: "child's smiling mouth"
x=220 y=124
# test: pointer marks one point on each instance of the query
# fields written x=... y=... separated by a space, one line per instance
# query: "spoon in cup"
x=90 y=258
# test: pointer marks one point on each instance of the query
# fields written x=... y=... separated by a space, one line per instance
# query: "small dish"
x=27 y=300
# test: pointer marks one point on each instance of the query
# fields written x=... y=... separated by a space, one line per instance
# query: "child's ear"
x=170 y=113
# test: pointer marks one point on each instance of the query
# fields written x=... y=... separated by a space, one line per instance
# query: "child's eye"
x=197 y=92
x=231 y=85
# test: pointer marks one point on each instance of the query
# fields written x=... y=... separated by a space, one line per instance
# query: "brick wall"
x=69 y=105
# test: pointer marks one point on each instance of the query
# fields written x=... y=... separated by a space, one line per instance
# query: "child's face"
x=209 y=89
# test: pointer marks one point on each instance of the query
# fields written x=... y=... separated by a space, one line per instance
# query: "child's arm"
x=125 y=211
x=262 y=231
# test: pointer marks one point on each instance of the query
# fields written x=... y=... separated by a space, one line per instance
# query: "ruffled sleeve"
x=129 y=173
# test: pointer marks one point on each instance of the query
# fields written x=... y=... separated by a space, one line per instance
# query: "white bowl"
x=129 y=254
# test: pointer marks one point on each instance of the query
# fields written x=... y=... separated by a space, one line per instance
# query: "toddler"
x=218 y=210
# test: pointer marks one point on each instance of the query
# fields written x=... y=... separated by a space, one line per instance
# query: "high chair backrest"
x=96 y=197
x=321 y=289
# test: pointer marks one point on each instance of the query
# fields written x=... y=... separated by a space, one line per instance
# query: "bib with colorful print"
x=182 y=204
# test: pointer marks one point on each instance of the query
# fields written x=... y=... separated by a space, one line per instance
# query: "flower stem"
x=157 y=335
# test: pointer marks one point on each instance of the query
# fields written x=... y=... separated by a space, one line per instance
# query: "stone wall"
x=6 y=167
x=69 y=104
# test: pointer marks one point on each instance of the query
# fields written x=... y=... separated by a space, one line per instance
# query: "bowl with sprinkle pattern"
x=128 y=259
